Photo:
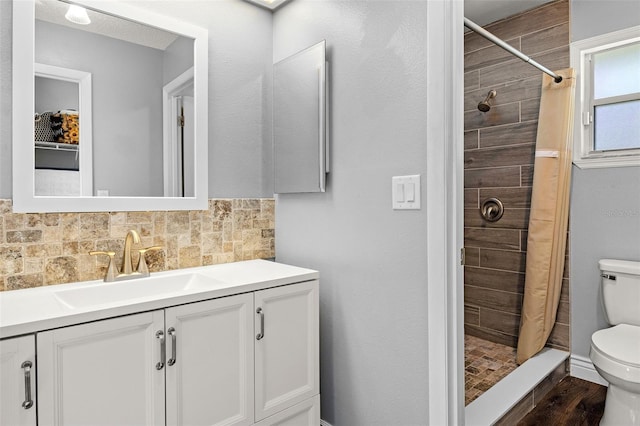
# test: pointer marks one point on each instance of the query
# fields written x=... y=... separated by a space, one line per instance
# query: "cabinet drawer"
x=305 y=413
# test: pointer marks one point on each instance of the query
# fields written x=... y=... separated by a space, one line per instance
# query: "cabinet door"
x=286 y=324
x=17 y=381
x=211 y=380
x=102 y=373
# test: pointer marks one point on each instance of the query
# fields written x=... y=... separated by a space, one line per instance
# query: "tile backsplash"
x=52 y=248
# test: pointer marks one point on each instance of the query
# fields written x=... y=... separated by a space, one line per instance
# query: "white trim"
x=24 y=200
x=85 y=118
x=579 y=51
x=492 y=405
x=324 y=423
x=170 y=130
x=444 y=212
x=582 y=368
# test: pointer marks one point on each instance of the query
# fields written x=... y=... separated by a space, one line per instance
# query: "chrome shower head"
x=485 y=105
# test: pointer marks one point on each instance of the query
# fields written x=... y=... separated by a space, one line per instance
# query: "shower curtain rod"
x=486 y=34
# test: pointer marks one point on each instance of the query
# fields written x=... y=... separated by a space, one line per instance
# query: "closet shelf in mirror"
x=56 y=146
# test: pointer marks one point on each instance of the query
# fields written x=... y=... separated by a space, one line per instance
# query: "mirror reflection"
x=61 y=168
x=130 y=131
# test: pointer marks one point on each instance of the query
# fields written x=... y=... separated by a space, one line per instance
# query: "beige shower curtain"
x=549 y=214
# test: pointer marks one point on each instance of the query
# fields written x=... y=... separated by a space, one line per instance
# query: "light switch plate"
x=405 y=192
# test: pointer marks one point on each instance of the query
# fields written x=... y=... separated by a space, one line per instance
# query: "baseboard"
x=582 y=368
x=324 y=423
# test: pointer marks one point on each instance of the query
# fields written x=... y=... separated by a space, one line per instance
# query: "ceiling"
x=484 y=12
x=101 y=23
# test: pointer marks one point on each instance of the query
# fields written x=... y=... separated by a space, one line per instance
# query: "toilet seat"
x=620 y=343
x=616 y=351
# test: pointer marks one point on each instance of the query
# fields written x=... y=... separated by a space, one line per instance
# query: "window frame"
x=584 y=154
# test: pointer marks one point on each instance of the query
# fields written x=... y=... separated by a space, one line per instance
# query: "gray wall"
x=54 y=95
x=240 y=55
x=372 y=259
x=177 y=58
x=5 y=98
x=605 y=203
x=590 y=18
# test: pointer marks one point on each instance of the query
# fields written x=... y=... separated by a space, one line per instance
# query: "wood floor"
x=572 y=402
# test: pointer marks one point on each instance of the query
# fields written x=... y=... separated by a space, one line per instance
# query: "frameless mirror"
x=111 y=115
x=299 y=121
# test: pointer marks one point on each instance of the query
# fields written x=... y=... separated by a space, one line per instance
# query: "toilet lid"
x=621 y=343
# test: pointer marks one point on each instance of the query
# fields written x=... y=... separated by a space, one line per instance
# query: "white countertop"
x=41 y=308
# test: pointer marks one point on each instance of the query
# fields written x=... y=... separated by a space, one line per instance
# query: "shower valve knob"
x=492 y=209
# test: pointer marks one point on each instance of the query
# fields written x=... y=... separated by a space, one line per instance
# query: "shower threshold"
x=492 y=405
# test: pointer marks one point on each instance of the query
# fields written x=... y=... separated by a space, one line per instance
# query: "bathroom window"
x=607 y=130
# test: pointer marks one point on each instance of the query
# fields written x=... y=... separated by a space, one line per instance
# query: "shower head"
x=485 y=105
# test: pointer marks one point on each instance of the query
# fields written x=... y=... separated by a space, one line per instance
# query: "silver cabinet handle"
x=172 y=332
x=160 y=335
x=260 y=335
x=28 y=402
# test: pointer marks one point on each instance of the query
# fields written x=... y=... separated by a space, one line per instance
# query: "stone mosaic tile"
x=51 y=248
x=486 y=363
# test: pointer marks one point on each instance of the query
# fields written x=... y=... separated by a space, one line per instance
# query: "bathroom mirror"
x=143 y=134
x=299 y=121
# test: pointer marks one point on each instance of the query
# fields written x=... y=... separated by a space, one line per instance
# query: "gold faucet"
x=132 y=236
x=127 y=272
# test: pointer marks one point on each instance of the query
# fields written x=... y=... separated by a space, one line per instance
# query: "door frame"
x=445 y=124
x=170 y=154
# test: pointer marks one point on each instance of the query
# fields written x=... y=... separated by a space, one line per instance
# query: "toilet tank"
x=621 y=291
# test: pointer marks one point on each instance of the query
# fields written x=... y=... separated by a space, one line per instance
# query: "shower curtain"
x=549 y=214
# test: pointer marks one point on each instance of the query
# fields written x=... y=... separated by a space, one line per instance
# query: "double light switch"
x=406 y=192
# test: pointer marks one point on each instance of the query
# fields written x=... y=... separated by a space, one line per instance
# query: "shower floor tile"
x=486 y=363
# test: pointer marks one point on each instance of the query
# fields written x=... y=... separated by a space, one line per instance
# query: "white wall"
x=240 y=56
x=605 y=203
x=372 y=260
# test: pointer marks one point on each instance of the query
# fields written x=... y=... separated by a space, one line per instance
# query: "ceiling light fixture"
x=77 y=15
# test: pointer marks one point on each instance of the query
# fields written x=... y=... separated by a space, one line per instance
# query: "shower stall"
x=502 y=102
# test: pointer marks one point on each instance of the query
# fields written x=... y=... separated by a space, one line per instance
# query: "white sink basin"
x=150 y=288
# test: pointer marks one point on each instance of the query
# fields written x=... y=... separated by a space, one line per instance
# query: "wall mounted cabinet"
x=300 y=121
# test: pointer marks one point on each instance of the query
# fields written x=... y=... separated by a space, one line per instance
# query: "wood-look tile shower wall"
x=499 y=157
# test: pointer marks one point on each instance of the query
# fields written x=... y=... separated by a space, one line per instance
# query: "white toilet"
x=615 y=351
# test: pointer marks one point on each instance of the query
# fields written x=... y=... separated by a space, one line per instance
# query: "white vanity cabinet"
x=234 y=360
x=117 y=371
x=210 y=362
x=102 y=373
x=17 y=381
x=287 y=342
